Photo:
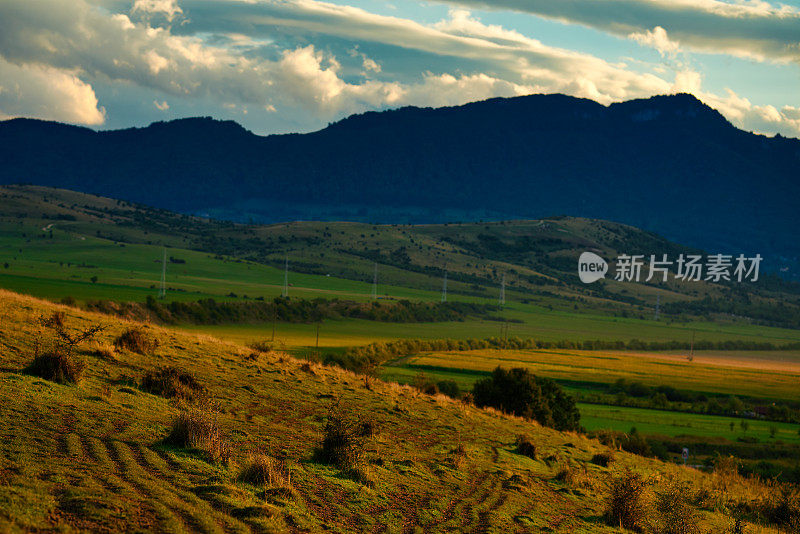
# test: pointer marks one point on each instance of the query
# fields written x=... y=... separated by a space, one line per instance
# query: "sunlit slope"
x=88 y=457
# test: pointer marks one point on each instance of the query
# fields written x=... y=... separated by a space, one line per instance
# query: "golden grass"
x=81 y=459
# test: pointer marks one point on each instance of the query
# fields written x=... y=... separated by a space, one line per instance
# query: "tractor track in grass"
x=141 y=474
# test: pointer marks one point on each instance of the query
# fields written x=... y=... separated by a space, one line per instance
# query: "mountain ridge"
x=669 y=164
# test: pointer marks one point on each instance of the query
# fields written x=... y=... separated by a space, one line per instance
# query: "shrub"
x=519 y=392
x=344 y=440
x=57 y=365
x=262 y=470
x=136 y=340
x=603 y=459
x=526 y=447
x=626 y=507
x=635 y=443
x=171 y=382
x=673 y=513
x=195 y=428
x=781 y=507
x=449 y=388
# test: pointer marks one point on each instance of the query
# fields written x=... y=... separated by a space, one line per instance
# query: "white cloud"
x=687 y=81
x=161 y=106
x=746 y=28
x=371 y=64
x=47 y=93
x=169 y=9
x=258 y=53
x=757 y=118
x=657 y=38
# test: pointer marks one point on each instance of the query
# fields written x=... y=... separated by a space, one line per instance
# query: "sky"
x=278 y=66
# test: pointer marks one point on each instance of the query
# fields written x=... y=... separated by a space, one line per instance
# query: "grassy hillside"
x=91 y=457
x=537 y=258
x=61 y=244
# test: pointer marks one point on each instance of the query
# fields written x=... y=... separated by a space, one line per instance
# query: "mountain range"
x=668 y=164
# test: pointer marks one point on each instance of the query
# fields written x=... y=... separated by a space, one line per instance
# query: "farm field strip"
x=604 y=367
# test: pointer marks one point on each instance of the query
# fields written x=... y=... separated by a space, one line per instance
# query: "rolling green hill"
x=57 y=241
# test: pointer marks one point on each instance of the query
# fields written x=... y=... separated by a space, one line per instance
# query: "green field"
x=64 y=266
x=622 y=419
x=598 y=367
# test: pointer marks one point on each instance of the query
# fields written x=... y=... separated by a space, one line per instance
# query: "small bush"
x=198 y=429
x=58 y=366
x=603 y=459
x=781 y=507
x=171 y=382
x=449 y=388
x=54 y=357
x=430 y=389
x=673 y=513
x=262 y=470
x=521 y=393
x=526 y=447
x=136 y=340
x=626 y=507
x=344 y=440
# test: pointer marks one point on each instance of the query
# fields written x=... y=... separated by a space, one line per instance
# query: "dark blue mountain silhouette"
x=669 y=164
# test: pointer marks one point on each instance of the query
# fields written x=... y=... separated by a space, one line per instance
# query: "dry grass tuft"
x=626 y=504
x=104 y=352
x=262 y=346
x=603 y=459
x=567 y=475
x=171 y=382
x=673 y=513
x=526 y=447
x=57 y=365
x=196 y=428
x=263 y=470
x=344 y=440
x=136 y=340
x=457 y=457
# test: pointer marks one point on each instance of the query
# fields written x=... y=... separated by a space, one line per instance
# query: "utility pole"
x=658 y=305
x=162 y=291
x=444 y=286
x=503 y=290
x=691 y=348
x=316 y=345
x=375 y=282
x=285 y=292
